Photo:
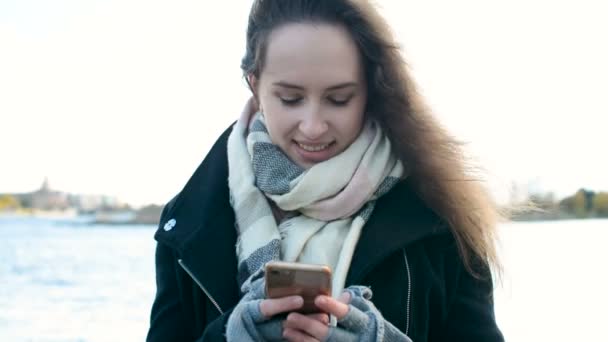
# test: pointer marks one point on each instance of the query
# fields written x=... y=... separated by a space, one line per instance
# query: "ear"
x=253 y=84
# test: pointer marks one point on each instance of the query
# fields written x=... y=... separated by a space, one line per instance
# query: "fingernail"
x=345 y=297
x=298 y=301
x=321 y=300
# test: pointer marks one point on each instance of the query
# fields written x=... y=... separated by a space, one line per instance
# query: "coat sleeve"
x=168 y=322
x=471 y=312
x=167 y=319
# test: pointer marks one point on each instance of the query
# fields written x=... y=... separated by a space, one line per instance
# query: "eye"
x=290 y=101
x=340 y=102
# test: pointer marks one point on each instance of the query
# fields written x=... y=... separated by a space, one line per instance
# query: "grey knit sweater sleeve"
x=247 y=323
x=364 y=323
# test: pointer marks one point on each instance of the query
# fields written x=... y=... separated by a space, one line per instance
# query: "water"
x=71 y=282
x=61 y=282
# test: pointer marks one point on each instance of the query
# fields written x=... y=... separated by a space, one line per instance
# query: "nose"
x=312 y=125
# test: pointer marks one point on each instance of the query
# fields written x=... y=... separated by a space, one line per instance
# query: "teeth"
x=311 y=148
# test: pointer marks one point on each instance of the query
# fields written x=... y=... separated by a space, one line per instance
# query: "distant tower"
x=45 y=186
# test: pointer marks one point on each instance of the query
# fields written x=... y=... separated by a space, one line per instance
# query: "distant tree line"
x=582 y=204
x=585 y=203
x=9 y=202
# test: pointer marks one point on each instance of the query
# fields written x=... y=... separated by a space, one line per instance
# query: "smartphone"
x=292 y=278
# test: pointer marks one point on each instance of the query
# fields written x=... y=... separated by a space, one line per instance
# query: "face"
x=312 y=91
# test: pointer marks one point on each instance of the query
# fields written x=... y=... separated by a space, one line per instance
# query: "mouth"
x=314 y=153
x=314 y=148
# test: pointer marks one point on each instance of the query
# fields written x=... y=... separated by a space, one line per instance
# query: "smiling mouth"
x=314 y=148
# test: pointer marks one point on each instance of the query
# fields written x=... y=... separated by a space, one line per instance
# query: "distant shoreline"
x=149 y=217
x=94 y=220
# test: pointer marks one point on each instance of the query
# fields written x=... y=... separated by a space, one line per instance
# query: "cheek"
x=277 y=123
x=353 y=125
x=355 y=128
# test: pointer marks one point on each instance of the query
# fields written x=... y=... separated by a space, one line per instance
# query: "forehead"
x=312 y=55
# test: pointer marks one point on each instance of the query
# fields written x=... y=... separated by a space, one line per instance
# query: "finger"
x=344 y=297
x=293 y=335
x=271 y=307
x=321 y=317
x=306 y=325
x=331 y=306
x=355 y=321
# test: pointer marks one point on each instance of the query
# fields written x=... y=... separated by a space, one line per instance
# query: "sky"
x=125 y=97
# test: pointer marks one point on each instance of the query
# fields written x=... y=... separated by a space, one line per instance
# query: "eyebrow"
x=334 y=87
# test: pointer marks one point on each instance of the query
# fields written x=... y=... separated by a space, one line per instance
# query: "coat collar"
x=399 y=219
x=203 y=235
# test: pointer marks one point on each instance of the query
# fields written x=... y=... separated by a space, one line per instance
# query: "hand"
x=358 y=320
x=298 y=327
x=272 y=307
x=254 y=317
x=275 y=306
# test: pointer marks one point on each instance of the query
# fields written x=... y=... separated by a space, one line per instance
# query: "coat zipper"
x=181 y=263
x=409 y=293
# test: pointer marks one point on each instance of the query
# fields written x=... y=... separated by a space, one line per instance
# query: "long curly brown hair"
x=438 y=169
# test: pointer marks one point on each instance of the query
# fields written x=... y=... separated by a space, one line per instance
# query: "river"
x=62 y=281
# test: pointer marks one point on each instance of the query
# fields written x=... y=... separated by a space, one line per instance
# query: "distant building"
x=45 y=198
x=87 y=203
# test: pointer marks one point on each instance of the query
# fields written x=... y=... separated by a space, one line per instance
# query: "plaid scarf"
x=332 y=199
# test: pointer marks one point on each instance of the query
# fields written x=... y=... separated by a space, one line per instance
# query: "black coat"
x=405 y=254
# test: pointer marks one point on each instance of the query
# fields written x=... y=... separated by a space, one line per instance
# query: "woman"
x=334 y=161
